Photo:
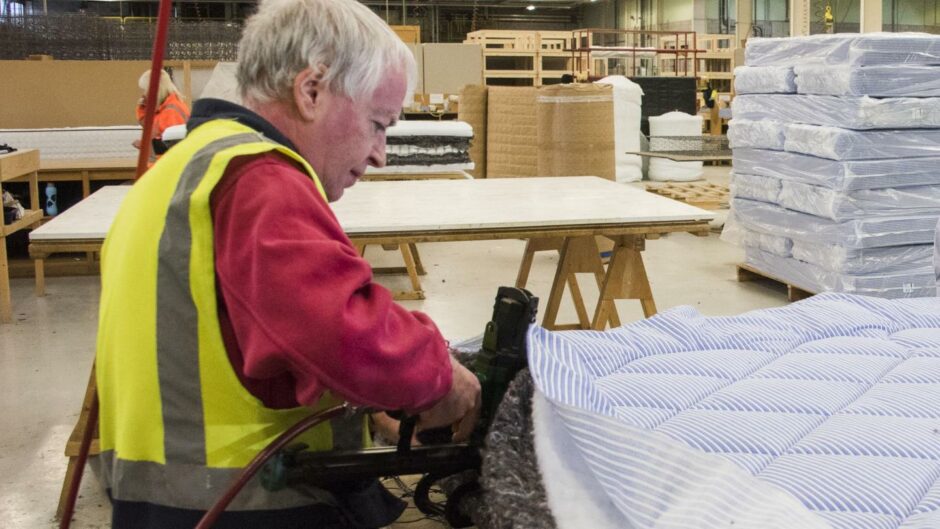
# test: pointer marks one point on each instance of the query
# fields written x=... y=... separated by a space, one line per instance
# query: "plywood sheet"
x=53 y=94
x=448 y=67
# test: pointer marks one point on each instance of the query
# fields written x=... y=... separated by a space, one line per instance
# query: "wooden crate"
x=703 y=195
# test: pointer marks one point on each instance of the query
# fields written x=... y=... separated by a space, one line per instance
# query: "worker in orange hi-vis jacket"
x=171 y=110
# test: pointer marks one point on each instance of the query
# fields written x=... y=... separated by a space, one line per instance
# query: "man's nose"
x=377 y=156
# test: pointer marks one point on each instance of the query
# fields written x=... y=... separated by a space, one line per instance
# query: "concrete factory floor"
x=46 y=354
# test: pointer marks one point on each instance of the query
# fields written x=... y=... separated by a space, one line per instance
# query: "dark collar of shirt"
x=205 y=110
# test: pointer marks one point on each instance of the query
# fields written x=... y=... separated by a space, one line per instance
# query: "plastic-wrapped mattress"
x=836 y=205
x=906 y=283
x=847 y=112
x=764 y=80
x=75 y=143
x=774 y=244
x=839 y=175
x=843 y=144
x=905 y=80
x=755 y=187
x=747 y=134
x=820 y=414
x=871 y=232
x=860 y=261
x=851 y=48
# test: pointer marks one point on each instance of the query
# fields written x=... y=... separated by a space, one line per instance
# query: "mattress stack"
x=836 y=141
x=427 y=147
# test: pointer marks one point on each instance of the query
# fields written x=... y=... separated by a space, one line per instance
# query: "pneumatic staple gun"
x=502 y=356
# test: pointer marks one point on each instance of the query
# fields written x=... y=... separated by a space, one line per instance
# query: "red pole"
x=150 y=105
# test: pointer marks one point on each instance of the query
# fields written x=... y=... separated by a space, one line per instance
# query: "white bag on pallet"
x=628 y=97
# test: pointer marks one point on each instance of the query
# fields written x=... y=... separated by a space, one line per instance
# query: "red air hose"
x=309 y=422
x=150 y=105
x=83 y=450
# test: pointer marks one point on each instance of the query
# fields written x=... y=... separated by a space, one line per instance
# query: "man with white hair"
x=232 y=302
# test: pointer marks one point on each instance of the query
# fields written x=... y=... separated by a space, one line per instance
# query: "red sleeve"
x=301 y=299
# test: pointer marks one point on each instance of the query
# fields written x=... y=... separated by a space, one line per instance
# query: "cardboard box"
x=512 y=146
x=576 y=130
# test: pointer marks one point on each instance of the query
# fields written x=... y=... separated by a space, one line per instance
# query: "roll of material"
x=675 y=124
x=473 y=105
x=628 y=99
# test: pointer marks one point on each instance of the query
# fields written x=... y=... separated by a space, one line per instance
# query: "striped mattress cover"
x=849 y=48
x=821 y=414
x=895 y=80
x=871 y=232
x=911 y=282
x=848 y=175
x=848 y=112
x=764 y=80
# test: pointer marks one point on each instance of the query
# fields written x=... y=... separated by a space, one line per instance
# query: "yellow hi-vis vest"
x=176 y=424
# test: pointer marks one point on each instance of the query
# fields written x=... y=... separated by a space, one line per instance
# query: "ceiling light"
x=530 y=7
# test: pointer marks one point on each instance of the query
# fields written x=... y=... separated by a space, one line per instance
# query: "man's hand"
x=460 y=407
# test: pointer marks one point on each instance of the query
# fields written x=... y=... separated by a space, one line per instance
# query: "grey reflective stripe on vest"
x=177 y=318
x=195 y=486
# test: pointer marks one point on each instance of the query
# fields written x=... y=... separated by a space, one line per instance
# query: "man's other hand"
x=460 y=407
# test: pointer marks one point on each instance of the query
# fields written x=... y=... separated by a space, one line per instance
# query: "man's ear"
x=308 y=91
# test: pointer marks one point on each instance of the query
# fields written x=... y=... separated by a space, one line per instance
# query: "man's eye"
x=379 y=127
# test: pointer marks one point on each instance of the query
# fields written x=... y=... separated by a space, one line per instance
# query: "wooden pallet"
x=749 y=273
x=704 y=195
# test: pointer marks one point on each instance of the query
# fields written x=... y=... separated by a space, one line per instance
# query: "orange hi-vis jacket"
x=173 y=111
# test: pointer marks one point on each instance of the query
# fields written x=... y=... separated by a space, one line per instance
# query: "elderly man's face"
x=350 y=135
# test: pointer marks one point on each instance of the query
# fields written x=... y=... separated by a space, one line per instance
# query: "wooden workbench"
x=574 y=209
x=19 y=165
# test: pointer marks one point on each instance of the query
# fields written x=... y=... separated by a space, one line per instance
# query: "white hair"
x=164 y=89
x=284 y=37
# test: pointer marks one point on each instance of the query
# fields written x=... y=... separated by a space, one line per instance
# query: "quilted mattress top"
x=824 y=413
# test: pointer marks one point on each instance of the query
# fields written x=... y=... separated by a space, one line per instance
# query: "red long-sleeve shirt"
x=298 y=309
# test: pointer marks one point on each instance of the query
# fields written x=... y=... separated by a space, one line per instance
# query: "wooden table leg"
x=6 y=302
x=626 y=279
x=416 y=292
x=532 y=246
x=419 y=266
x=578 y=255
x=40 y=273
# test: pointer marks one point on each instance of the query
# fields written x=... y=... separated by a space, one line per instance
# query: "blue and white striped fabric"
x=824 y=413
